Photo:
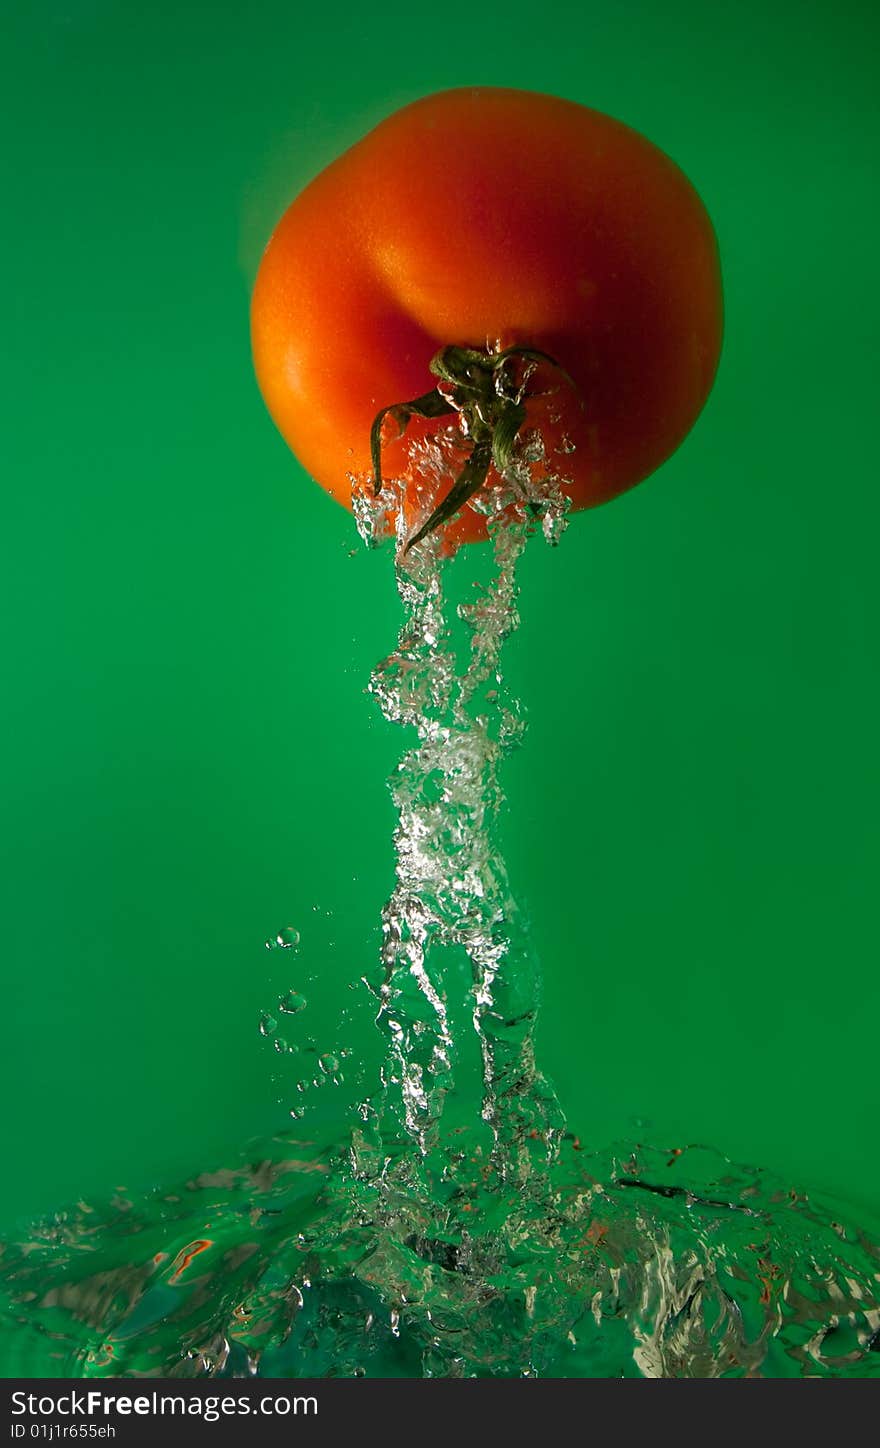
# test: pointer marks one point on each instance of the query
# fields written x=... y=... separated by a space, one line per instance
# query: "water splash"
x=431 y=1244
x=645 y=1264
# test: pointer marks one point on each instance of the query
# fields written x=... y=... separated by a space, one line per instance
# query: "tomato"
x=485 y=221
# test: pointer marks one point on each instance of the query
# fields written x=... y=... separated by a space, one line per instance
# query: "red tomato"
x=492 y=219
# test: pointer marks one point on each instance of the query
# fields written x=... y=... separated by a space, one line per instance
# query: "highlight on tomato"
x=512 y=263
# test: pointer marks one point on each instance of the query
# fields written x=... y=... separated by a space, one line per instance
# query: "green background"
x=189 y=757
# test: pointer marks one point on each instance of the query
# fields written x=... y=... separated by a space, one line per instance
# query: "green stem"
x=476 y=385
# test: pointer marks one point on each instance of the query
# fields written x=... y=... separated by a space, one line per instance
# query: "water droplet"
x=555 y=519
x=286 y=939
x=268 y=1024
x=329 y=1063
x=292 y=1003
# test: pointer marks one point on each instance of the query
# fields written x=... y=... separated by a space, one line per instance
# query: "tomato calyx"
x=485 y=390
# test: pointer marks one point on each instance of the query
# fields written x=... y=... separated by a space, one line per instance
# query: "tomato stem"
x=478 y=386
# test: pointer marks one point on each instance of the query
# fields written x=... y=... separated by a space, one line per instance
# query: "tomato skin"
x=487 y=216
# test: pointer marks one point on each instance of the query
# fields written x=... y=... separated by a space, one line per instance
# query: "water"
x=459 y=1228
x=638 y=1262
